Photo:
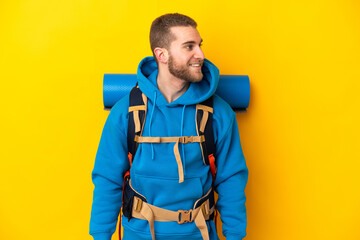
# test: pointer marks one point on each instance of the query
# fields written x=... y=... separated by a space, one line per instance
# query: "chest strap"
x=151 y=213
x=176 y=140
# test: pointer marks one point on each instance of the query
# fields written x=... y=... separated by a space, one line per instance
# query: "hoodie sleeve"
x=110 y=165
x=230 y=182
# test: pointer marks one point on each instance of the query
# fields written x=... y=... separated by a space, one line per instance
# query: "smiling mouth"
x=195 y=65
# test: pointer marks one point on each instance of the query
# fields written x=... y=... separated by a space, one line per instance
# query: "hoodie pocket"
x=168 y=192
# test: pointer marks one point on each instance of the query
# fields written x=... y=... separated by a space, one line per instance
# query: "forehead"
x=185 y=34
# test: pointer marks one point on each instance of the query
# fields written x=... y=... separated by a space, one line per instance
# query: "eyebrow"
x=192 y=42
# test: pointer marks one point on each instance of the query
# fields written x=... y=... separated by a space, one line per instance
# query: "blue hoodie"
x=154 y=172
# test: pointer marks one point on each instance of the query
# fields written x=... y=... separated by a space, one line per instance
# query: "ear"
x=161 y=54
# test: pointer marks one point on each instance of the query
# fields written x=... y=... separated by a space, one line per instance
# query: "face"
x=185 y=55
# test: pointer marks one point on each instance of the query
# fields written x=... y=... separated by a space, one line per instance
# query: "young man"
x=169 y=194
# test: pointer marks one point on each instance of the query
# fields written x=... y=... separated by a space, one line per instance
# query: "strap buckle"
x=184 y=216
x=205 y=208
x=139 y=203
x=186 y=139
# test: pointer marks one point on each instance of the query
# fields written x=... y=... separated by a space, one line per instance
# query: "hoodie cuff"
x=102 y=236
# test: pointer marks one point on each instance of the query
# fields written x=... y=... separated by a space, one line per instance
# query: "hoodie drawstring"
x=152 y=114
x=181 y=134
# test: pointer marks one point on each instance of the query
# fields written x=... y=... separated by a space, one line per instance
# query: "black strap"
x=208 y=147
x=135 y=99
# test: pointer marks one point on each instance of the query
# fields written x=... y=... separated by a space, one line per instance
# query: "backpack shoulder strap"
x=204 y=125
x=136 y=121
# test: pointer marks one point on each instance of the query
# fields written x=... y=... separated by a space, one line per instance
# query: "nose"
x=199 y=54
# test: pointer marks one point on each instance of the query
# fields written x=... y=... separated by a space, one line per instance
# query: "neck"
x=171 y=87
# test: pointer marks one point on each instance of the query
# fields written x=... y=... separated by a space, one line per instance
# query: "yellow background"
x=300 y=136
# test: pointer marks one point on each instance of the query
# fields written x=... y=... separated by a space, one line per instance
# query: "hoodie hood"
x=198 y=92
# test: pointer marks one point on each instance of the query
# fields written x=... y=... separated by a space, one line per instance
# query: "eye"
x=189 y=47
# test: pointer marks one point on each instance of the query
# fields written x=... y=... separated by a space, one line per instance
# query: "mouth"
x=196 y=65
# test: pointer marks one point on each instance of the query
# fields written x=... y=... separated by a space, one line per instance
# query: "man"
x=170 y=174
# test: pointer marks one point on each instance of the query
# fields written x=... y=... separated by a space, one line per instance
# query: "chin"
x=199 y=79
x=195 y=80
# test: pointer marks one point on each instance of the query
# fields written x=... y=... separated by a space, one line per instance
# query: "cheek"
x=181 y=57
x=184 y=54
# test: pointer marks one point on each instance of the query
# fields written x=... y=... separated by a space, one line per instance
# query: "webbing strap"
x=205 y=108
x=183 y=140
x=136 y=116
x=136 y=121
x=151 y=213
x=177 y=140
x=201 y=224
x=203 y=121
x=179 y=162
x=137 y=108
x=145 y=212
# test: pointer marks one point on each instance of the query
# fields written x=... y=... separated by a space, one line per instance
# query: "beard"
x=183 y=72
